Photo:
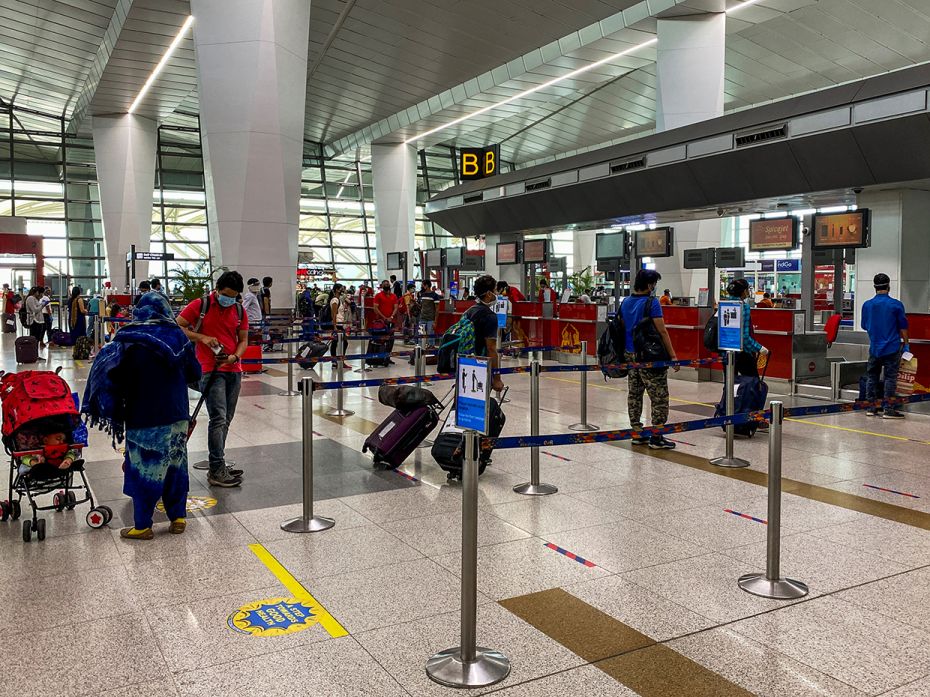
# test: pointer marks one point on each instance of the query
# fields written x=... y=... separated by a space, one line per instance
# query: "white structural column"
x=252 y=80
x=124 y=148
x=689 y=75
x=583 y=250
x=394 y=184
x=900 y=248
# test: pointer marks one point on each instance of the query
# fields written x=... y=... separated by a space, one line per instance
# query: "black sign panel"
x=699 y=258
x=154 y=256
x=731 y=257
x=479 y=163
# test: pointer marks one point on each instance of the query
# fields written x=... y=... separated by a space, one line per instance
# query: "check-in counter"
x=579 y=322
x=795 y=354
x=686 y=330
x=531 y=327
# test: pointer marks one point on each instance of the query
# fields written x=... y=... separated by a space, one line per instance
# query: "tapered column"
x=252 y=78
x=124 y=150
x=394 y=184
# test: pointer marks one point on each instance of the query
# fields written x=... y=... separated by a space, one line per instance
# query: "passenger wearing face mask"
x=484 y=321
x=747 y=360
x=250 y=304
x=219 y=326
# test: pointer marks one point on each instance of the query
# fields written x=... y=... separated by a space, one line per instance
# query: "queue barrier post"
x=340 y=409
x=469 y=665
x=363 y=366
x=771 y=584
x=534 y=487
x=308 y=522
x=729 y=387
x=583 y=425
x=290 y=391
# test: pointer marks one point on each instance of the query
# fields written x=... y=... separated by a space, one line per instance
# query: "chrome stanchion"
x=307 y=522
x=290 y=391
x=729 y=460
x=584 y=425
x=418 y=365
x=534 y=487
x=363 y=367
x=771 y=584
x=340 y=409
x=469 y=665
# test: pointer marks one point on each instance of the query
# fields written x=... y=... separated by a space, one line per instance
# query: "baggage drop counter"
x=686 y=330
x=919 y=330
x=795 y=355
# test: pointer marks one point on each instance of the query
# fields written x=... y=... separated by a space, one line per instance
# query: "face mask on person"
x=386 y=288
x=225 y=300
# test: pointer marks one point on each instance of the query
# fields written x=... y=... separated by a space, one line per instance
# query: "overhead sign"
x=273 y=617
x=478 y=163
x=699 y=258
x=150 y=256
x=730 y=325
x=766 y=235
x=842 y=229
x=472 y=393
x=731 y=257
x=653 y=243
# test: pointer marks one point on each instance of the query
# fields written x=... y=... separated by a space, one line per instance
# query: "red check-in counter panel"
x=775 y=330
x=919 y=331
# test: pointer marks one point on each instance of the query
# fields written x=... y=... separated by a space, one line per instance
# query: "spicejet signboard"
x=478 y=163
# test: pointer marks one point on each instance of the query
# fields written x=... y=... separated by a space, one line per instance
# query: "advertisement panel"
x=779 y=234
x=842 y=230
x=654 y=243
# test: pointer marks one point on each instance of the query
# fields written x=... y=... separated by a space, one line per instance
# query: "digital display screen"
x=455 y=256
x=434 y=258
x=507 y=253
x=779 y=234
x=654 y=243
x=837 y=230
x=535 y=251
x=394 y=261
x=610 y=246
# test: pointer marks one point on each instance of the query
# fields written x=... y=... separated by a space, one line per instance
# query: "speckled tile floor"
x=152 y=618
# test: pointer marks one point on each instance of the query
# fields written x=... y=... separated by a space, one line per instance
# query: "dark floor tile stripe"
x=628 y=656
x=841 y=499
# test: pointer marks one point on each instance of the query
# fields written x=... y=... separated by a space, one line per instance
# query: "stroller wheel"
x=5 y=509
x=95 y=518
x=27 y=530
x=59 y=501
x=71 y=499
x=17 y=510
x=107 y=513
x=40 y=529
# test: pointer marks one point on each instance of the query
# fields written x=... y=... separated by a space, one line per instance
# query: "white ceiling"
x=390 y=70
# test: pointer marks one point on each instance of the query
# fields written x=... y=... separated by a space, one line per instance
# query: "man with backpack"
x=642 y=315
x=219 y=327
x=885 y=321
x=475 y=333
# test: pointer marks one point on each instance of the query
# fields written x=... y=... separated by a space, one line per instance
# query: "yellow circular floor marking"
x=273 y=617
x=194 y=503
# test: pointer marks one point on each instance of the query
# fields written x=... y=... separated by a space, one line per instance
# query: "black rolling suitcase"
x=382 y=341
x=448 y=448
x=27 y=349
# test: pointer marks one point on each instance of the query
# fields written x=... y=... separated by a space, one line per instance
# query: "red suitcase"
x=27 y=349
x=399 y=435
x=252 y=352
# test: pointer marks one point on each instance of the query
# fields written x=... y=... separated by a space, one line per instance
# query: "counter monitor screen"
x=610 y=246
x=434 y=258
x=654 y=243
x=535 y=251
x=507 y=253
x=838 y=230
x=455 y=256
x=394 y=261
x=778 y=234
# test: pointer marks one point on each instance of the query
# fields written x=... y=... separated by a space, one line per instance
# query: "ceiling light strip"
x=537 y=88
x=162 y=63
x=747 y=3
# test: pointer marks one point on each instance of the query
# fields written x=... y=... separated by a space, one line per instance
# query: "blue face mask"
x=225 y=300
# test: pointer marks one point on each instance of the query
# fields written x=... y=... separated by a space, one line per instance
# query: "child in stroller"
x=40 y=420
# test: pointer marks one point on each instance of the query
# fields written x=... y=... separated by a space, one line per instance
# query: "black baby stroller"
x=40 y=425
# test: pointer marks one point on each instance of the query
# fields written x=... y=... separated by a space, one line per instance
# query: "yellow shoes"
x=133 y=534
x=177 y=526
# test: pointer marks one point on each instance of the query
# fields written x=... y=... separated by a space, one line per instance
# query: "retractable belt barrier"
x=395 y=354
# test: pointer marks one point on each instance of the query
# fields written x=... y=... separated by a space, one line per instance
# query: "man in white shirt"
x=250 y=304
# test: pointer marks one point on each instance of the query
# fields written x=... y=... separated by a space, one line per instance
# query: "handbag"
x=647 y=342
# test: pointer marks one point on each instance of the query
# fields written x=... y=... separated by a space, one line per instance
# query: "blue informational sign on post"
x=472 y=393
x=500 y=309
x=730 y=325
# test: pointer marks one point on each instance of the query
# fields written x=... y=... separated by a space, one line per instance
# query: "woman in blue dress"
x=137 y=389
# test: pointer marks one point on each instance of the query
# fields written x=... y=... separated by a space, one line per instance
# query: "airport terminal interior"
x=391 y=348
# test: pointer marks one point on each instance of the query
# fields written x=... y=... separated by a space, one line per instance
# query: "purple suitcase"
x=399 y=435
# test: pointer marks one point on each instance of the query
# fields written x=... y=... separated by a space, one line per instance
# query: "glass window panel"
x=54 y=248
x=46 y=228
x=187 y=251
x=348 y=239
x=313 y=221
x=186 y=233
x=345 y=223
x=350 y=256
x=324 y=254
x=313 y=237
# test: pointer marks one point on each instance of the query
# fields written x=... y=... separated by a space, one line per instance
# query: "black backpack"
x=304 y=305
x=326 y=315
x=711 y=335
x=647 y=342
x=610 y=348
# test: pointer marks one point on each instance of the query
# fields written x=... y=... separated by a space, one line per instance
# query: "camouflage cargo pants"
x=651 y=382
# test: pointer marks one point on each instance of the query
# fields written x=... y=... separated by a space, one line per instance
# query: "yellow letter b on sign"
x=478 y=163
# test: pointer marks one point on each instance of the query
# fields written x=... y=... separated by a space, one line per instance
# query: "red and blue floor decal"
x=746 y=516
x=891 y=491
x=570 y=555
x=406 y=476
x=557 y=457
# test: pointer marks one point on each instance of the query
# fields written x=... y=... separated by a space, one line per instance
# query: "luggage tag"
x=304 y=352
x=449 y=425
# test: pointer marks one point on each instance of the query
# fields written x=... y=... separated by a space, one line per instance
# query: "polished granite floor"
x=654 y=611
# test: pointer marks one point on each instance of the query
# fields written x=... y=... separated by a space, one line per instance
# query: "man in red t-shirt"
x=9 y=309
x=221 y=332
x=386 y=306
